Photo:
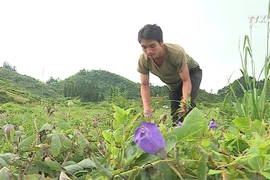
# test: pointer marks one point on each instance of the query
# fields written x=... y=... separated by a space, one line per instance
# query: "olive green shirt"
x=175 y=59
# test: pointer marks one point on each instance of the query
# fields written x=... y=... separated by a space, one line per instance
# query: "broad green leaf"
x=131 y=152
x=194 y=124
x=266 y=174
x=205 y=143
x=47 y=127
x=120 y=116
x=8 y=156
x=55 y=144
x=131 y=121
x=82 y=140
x=87 y=163
x=146 y=158
x=107 y=135
x=118 y=135
x=170 y=143
x=27 y=142
x=256 y=163
x=243 y=124
x=73 y=168
x=257 y=126
x=196 y=116
x=65 y=141
x=43 y=167
x=54 y=165
x=5 y=174
x=3 y=163
x=61 y=124
x=69 y=163
x=202 y=169
x=102 y=169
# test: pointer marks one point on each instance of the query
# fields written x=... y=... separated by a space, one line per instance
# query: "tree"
x=8 y=66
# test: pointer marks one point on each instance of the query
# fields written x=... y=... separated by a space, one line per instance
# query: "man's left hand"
x=184 y=106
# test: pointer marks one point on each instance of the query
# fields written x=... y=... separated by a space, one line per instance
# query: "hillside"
x=239 y=86
x=94 y=85
x=22 y=88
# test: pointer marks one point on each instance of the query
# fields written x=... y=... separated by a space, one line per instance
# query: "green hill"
x=94 y=85
x=21 y=88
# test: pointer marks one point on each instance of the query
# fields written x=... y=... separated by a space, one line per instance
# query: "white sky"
x=57 y=39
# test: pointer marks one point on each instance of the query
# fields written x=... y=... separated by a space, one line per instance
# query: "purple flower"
x=149 y=139
x=179 y=124
x=212 y=124
x=147 y=112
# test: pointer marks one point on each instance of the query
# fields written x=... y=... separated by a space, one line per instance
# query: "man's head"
x=150 y=32
x=151 y=39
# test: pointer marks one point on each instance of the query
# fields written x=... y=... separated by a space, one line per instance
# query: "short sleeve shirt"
x=175 y=59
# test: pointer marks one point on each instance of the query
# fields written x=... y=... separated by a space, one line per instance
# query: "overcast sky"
x=57 y=39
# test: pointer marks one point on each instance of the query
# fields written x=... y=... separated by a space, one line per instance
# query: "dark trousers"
x=175 y=96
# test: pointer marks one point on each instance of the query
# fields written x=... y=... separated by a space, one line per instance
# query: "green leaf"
x=170 y=143
x=243 y=124
x=118 y=135
x=202 y=169
x=195 y=124
x=102 y=169
x=73 y=168
x=8 y=156
x=3 y=163
x=256 y=163
x=55 y=144
x=61 y=124
x=54 y=165
x=65 y=141
x=5 y=174
x=107 y=135
x=131 y=152
x=27 y=142
x=82 y=140
x=213 y=172
x=87 y=164
x=121 y=117
x=266 y=175
x=47 y=127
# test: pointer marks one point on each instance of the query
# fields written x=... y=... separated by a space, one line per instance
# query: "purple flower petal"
x=149 y=138
x=212 y=124
x=179 y=124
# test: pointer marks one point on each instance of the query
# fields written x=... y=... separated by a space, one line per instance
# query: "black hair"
x=150 y=32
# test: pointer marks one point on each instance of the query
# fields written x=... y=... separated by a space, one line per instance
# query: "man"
x=173 y=66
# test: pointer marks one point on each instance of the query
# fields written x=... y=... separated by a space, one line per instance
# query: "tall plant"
x=254 y=103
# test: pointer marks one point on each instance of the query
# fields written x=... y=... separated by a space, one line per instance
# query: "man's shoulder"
x=173 y=48
x=143 y=57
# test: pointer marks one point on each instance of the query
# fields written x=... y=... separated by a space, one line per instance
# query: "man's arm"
x=145 y=93
x=186 y=89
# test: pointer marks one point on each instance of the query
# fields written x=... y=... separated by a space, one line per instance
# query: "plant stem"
x=175 y=170
x=267 y=41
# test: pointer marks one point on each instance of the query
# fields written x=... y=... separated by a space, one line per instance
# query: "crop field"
x=70 y=139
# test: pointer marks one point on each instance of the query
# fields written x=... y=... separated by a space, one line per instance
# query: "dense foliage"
x=88 y=86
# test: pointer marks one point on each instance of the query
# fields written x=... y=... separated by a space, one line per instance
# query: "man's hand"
x=184 y=107
x=148 y=113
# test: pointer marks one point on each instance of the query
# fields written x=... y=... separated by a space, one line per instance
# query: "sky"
x=58 y=38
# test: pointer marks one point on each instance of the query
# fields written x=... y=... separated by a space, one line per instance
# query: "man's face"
x=152 y=48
